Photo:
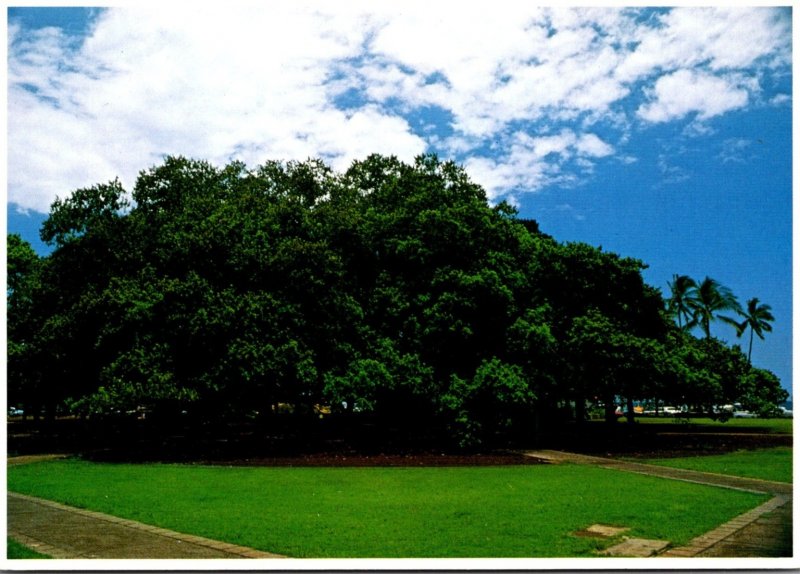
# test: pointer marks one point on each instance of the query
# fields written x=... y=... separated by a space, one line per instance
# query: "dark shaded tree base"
x=657 y=440
x=356 y=443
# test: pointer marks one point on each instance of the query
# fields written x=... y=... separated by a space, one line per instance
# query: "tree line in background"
x=390 y=292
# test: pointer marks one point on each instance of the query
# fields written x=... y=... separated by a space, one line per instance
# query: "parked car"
x=743 y=415
x=784 y=412
x=15 y=412
x=672 y=411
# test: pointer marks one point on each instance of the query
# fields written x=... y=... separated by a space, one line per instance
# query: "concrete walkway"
x=65 y=532
x=765 y=531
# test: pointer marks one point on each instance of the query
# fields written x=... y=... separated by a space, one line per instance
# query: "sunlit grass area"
x=767 y=464
x=502 y=511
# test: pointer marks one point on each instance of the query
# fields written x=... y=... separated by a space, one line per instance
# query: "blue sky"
x=664 y=135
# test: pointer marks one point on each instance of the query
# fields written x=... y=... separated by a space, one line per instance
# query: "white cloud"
x=781 y=99
x=523 y=169
x=721 y=38
x=134 y=93
x=687 y=92
x=535 y=162
x=729 y=37
x=559 y=144
x=698 y=128
x=524 y=88
x=592 y=146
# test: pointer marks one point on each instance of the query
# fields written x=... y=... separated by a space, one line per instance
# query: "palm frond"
x=729 y=321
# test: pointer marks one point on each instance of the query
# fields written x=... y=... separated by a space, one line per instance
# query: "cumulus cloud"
x=688 y=92
x=592 y=146
x=521 y=92
x=536 y=162
x=712 y=37
x=131 y=94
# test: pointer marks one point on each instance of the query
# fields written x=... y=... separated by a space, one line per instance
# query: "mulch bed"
x=252 y=449
x=394 y=460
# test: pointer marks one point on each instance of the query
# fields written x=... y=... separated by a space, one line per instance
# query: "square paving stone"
x=606 y=530
x=637 y=548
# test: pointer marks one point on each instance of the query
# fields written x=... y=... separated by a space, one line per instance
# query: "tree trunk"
x=580 y=409
x=630 y=411
x=50 y=412
x=610 y=408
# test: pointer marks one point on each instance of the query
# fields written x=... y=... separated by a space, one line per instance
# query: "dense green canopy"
x=391 y=291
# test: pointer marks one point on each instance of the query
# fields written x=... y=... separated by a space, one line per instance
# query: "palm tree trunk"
x=750 y=350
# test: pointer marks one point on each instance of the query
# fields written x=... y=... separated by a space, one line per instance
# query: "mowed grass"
x=15 y=550
x=767 y=464
x=504 y=511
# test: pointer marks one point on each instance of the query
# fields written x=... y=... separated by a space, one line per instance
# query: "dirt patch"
x=588 y=534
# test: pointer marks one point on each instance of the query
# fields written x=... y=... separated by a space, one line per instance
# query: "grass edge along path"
x=17 y=550
x=774 y=464
x=491 y=512
x=765 y=531
x=67 y=532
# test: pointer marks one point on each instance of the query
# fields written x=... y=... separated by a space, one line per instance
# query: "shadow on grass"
x=360 y=441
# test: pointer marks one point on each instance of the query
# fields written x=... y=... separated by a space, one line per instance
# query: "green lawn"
x=18 y=551
x=768 y=464
x=510 y=511
x=769 y=426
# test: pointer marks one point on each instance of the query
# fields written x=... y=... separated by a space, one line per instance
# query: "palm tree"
x=757 y=317
x=710 y=299
x=679 y=304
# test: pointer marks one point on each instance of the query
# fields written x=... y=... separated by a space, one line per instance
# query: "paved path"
x=29 y=458
x=769 y=535
x=765 y=531
x=64 y=532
